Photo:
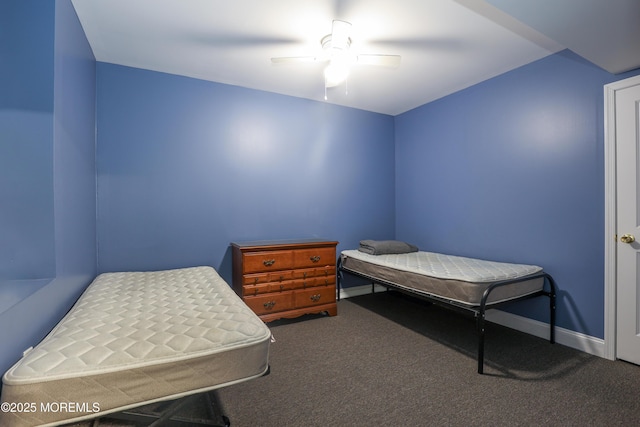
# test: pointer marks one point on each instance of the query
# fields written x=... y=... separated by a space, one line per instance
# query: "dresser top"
x=284 y=243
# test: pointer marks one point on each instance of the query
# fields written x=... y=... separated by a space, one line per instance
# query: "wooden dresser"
x=286 y=278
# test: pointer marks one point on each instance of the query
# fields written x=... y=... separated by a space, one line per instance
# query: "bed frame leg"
x=480 y=318
x=339 y=278
x=552 y=309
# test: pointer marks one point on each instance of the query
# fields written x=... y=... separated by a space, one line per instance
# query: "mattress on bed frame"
x=136 y=338
x=459 y=279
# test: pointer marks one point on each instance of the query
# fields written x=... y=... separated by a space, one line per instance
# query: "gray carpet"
x=387 y=359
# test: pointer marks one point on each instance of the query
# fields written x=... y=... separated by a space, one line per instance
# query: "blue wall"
x=47 y=175
x=74 y=178
x=26 y=129
x=187 y=166
x=512 y=169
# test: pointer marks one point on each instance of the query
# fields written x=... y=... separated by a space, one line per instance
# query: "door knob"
x=627 y=238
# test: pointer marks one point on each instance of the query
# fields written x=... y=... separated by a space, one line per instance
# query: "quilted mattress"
x=459 y=279
x=136 y=338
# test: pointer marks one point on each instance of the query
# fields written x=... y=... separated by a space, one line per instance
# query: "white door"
x=627 y=112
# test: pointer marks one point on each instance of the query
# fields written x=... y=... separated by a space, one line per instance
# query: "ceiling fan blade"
x=379 y=60
x=295 y=59
x=340 y=33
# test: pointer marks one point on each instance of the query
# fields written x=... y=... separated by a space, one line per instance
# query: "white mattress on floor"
x=139 y=337
x=450 y=267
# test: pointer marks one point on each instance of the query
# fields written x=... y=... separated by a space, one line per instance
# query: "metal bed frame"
x=479 y=311
x=166 y=414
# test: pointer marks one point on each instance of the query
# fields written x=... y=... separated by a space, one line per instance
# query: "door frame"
x=610 y=213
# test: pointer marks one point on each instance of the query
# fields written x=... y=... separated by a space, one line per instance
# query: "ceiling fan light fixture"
x=337 y=71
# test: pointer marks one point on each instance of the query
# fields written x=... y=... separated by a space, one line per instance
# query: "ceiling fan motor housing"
x=331 y=47
x=338 y=40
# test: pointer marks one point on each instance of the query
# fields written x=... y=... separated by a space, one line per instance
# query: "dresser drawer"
x=285 y=285
x=270 y=303
x=256 y=262
x=312 y=282
x=315 y=296
x=306 y=273
x=258 y=278
x=314 y=257
x=256 y=289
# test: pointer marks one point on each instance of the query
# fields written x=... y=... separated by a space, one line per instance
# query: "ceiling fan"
x=339 y=57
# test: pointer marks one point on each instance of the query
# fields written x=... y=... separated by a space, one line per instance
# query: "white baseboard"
x=576 y=340
x=355 y=291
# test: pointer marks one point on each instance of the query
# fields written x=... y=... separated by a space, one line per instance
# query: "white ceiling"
x=446 y=45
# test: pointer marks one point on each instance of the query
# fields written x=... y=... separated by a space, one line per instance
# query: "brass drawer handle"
x=315 y=258
x=268 y=262
x=315 y=298
x=269 y=304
